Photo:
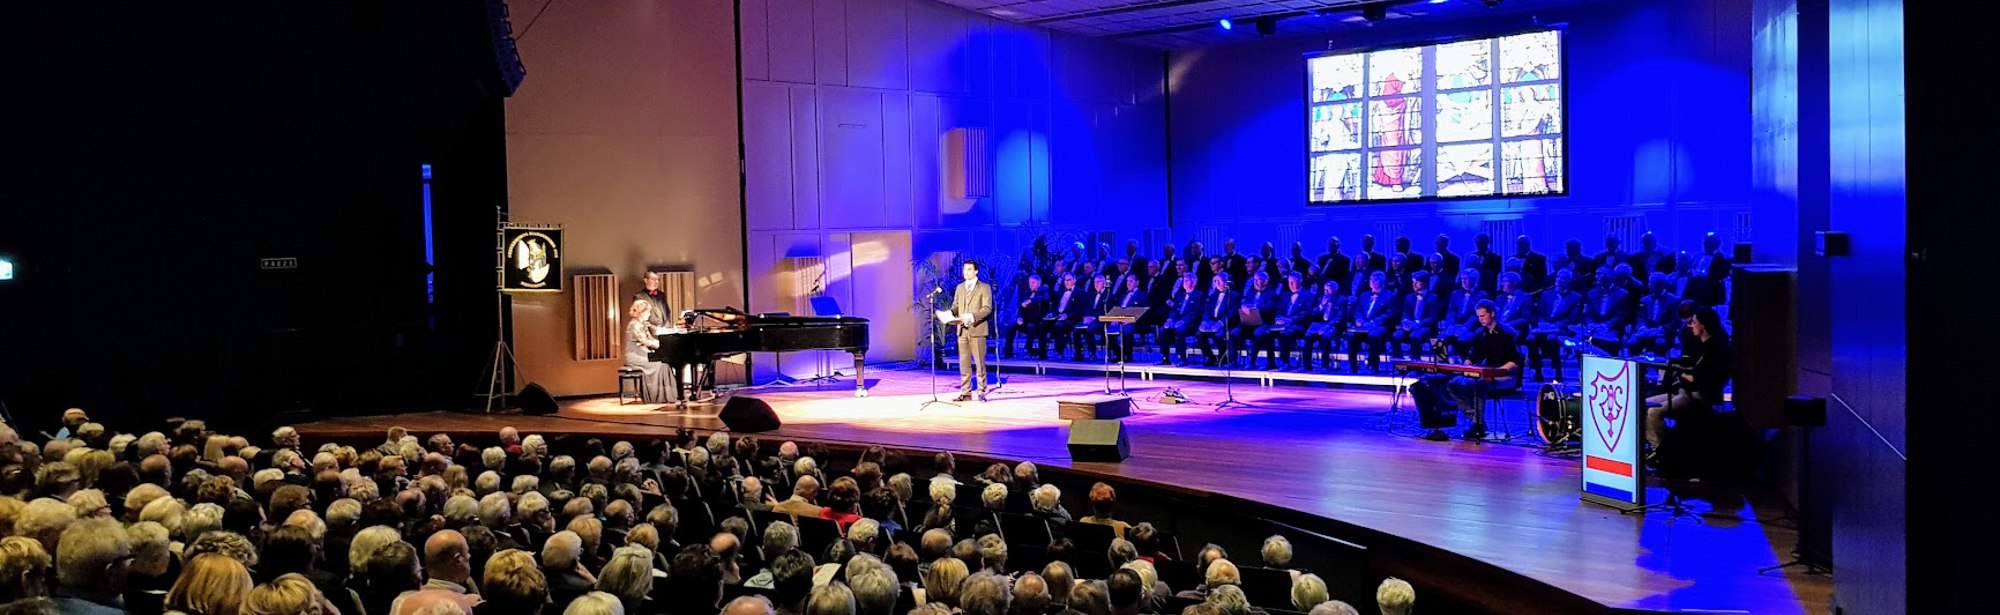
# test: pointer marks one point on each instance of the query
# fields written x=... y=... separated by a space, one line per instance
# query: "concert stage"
x=1320 y=450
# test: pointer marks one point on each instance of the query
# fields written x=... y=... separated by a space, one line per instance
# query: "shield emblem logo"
x=1607 y=404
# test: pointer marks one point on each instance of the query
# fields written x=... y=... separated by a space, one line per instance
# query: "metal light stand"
x=502 y=363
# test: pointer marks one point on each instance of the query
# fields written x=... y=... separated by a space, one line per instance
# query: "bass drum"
x=1558 y=414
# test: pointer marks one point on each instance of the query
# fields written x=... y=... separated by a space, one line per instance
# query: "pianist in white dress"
x=656 y=385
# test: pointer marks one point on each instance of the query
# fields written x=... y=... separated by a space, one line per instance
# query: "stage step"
x=1149 y=371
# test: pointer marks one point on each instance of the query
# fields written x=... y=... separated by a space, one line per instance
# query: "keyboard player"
x=1492 y=346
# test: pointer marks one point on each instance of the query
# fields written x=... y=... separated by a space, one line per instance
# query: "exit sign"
x=279 y=263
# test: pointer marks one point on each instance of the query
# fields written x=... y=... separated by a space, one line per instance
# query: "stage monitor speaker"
x=1763 y=338
x=1096 y=440
x=748 y=415
x=537 y=400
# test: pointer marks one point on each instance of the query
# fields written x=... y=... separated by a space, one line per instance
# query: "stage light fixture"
x=1226 y=24
x=1375 y=12
x=6 y=269
x=1267 y=25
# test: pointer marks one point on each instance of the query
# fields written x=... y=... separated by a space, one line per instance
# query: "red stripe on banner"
x=1607 y=465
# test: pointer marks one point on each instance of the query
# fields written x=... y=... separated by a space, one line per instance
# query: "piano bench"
x=632 y=375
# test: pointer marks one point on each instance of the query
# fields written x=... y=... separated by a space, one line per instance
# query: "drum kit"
x=1559 y=417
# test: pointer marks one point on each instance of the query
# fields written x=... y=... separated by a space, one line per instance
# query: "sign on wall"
x=1614 y=420
x=531 y=258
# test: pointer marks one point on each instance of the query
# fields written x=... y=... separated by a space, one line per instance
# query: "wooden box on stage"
x=1093 y=407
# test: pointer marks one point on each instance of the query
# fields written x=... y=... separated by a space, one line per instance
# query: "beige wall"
x=625 y=133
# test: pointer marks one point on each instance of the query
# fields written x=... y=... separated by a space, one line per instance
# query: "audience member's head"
x=1230 y=599
x=1126 y=589
x=1031 y=594
x=629 y=576
x=833 y=598
x=1277 y=552
x=1395 y=596
x=1103 y=501
x=985 y=593
x=1090 y=598
x=1060 y=580
x=1221 y=572
x=210 y=584
x=943 y=582
x=513 y=584
x=1333 y=607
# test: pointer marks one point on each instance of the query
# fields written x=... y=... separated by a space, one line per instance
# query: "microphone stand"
x=937 y=347
x=1228 y=368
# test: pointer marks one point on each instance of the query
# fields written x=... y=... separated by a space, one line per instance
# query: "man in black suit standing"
x=1235 y=264
x=1446 y=258
x=1333 y=266
x=1488 y=262
x=655 y=295
x=1411 y=261
x=1534 y=265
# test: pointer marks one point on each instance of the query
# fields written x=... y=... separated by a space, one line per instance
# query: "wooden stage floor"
x=1320 y=450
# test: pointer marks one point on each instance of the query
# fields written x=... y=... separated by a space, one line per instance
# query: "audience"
x=195 y=522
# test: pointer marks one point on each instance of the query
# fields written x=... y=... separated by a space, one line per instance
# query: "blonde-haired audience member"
x=1395 y=596
x=1308 y=591
x=44 y=519
x=629 y=576
x=24 y=569
x=212 y=584
x=289 y=594
x=595 y=603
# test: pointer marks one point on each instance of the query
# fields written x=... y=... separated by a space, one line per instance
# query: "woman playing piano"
x=656 y=385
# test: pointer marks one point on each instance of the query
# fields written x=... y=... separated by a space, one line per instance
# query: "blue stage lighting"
x=6 y=269
x=1226 y=24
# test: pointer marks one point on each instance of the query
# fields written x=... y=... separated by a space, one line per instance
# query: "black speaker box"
x=1098 y=440
x=1805 y=411
x=748 y=415
x=537 y=400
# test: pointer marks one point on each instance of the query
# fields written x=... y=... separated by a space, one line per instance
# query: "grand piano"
x=710 y=334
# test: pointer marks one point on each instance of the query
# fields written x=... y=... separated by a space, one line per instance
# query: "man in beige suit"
x=801 y=503
x=972 y=304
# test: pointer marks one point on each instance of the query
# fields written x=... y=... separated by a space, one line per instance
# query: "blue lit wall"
x=1658 y=126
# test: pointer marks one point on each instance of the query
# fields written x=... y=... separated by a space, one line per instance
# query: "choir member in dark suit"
x=658 y=310
x=1132 y=296
x=1294 y=311
x=1605 y=314
x=1517 y=306
x=1236 y=264
x=1333 y=266
x=1197 y=261
x=1263 y=298
x=1650 y=257
x=1579 y=268
x=1088 y=330
x=1067 y=308
x=1488 y=262
x=1218 y=318
x=1611 y=256
x=1423 y=310
x=1448 y=261
x=1329 y=322
x=1374 y=313
x=1658 y=319
x=1159 y=292
x=1298 y=261
x=1376 y=260
x=1460 y=319
x=1534 y=265
x=1556 y=311
x=1032 y=307
x=1411 y=261
x=1358 y=274
x=1705 y=281
x=1184 y=316
x=1134 y=257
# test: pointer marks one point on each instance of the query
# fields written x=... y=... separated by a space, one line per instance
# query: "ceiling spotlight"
x=1226 y=24
x=1375 y=12
x=1267 y=25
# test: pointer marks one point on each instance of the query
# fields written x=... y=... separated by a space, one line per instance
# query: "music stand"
x=1125 y=318
x=1247 y=316
x=827 y=307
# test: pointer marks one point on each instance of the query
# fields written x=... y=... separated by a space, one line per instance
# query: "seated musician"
x=1493 y=345
x=1069 y=305
x=1263 y=298
x=1374 y=312
x=1605 y=312
x=1459 y=320
x=1134 y=296
x=1517 y=306
x=1328 y=323
x=1184 y=316
x=1218 y=318
x=1087 y=329
x=1423 y=310
x=1658 y=319
x=1294 y=311
x=1703 y=372
x=1033 y=305
x=1559 y=308
x=656 y=383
